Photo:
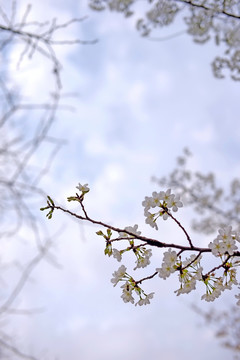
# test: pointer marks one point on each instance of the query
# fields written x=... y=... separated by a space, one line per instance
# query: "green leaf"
x=49 y=214
x=50 y=200
x=45 y=208
x=72 y=198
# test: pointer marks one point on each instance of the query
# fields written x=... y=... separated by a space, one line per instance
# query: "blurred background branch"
x=25 y=128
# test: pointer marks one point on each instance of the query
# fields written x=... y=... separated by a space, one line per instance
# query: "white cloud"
x=205 y=134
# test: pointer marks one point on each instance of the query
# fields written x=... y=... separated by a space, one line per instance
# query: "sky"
x=137 y=104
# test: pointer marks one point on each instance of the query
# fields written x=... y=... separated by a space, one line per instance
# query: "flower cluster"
x=190 y=271
x=117 y=254
x=163 y=200
x=168 y=264
x=129 y=287
x=216 y=285
x=223 y=246
x=143 y=257
x=225 y=242
x=141 y=253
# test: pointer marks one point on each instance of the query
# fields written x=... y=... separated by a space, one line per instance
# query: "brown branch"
x=183 y=229
x=199 y=254
x=146 y=278
x=218 y=267
x=149 y=241
x=209 y=8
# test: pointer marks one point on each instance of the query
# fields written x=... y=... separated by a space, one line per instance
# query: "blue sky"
x=137 y=104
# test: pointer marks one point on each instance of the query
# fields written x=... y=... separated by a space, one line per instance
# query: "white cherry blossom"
x=83 y=188
x=225 y=233
x=143 y=259
x=146 y=300
x=132 y=229
x=175 y=203
x=127 y=293
x=117 y=255
x=217 y=247
x=118 y=275
x=170 y=257
x=230 y=245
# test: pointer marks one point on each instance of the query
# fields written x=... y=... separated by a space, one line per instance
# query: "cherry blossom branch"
x=149 y=241
x=160 y=205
